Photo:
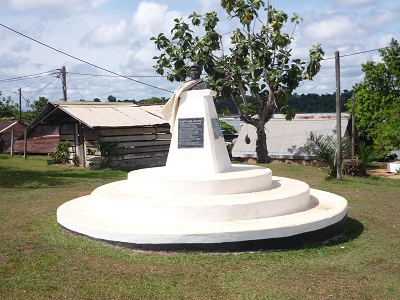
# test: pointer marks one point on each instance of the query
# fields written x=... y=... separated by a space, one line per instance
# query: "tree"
x=39 y=105
x=377 y=111
x=111 y=98
x=258 y=61
x=35 y=109
x=96 y=100
x=153 y=100
x=8 y=109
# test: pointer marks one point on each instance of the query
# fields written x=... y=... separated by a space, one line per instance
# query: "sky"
x=114 y=35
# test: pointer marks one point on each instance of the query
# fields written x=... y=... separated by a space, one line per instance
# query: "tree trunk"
x=261 y=144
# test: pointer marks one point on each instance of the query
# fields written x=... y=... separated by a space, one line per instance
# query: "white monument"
x=199 y=201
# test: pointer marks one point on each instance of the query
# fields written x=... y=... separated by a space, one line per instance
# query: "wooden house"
x=10 y=131
x=140 y=134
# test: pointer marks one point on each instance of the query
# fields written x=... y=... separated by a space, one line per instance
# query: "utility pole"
x=338 y=120
x=353 y=126
x=64 y=83
x=20 y=104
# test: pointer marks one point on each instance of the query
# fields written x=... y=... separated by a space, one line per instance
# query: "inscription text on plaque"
x=191 y=133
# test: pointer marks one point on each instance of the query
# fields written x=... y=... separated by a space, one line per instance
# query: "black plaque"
x=191 y=133
x=216 y=128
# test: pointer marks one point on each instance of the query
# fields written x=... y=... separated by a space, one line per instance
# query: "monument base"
x=269 y=244
x=286 y=214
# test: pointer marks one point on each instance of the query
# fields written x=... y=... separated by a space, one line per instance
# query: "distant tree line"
x=153 y=100
x=300 y=103
x=9 y=109
x=314 y=103
x=112 y=98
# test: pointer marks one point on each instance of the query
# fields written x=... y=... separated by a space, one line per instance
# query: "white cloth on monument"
x=170 y=108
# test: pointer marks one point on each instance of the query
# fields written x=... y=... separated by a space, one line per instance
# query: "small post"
x=353 y=127
x=338 y=120
x=20 y=105
x=83 y=150
x=76 y=139
x=64 y=83
x=12 y=143
x=25 y=145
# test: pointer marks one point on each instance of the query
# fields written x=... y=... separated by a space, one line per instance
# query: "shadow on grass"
x=354 y=229
x=10 y=178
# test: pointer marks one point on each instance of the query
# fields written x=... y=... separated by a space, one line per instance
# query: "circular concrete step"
x=323 y=219
x=164 y=181
x=117 y=201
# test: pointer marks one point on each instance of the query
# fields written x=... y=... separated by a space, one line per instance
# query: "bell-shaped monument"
x=199 y=201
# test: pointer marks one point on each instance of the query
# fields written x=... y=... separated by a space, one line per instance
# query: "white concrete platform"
x=324 y=209
x=116 y=200
x=164 y=181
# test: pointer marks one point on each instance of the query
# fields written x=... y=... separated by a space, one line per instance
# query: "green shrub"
x=76 y=160
x=354 y=167
x=324 y=148
x=106 y=148
x=61 y=155
x=227 y=128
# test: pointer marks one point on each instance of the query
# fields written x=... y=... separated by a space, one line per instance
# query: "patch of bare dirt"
x=381 y=172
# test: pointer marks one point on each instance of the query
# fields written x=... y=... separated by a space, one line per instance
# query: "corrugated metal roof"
x=114 y=115
x=4 y=125
x=286 y=139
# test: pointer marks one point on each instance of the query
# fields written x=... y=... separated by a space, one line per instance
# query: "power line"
x=362 y=52
x=81 y=60
x=42 y=77
x=104 y=75
x=55 y=89
x=357 y=53
x=26 y=77
x=36 y=82
x=37 y=91
x=75 y=87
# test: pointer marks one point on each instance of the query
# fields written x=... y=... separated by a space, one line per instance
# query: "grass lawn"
x=40 y=261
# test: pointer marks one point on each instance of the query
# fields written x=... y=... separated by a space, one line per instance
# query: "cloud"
x=384 y=16
x=58 y=6
x=209 y=6
x=107 y=34
x=9 y=61
x=384 y=41
x=98 y=3
x=352 y=3
x=20 y=47
x=152 y=18
x=333 y=29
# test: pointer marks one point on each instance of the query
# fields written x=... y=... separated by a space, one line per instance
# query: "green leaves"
x=258 y=62
x=210 y=20
x=324 y=147
x=378 y=102
x=244 y=10
x=296 y=18
x=196 y=19
x=314 y=66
